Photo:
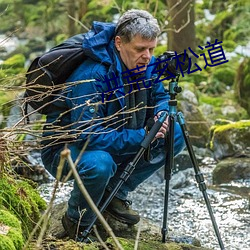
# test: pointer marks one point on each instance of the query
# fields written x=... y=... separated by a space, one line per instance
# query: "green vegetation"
x=22 y=201
x=11 y=237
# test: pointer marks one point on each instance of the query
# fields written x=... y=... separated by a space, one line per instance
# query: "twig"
x=137 y=236
x=77 y=21
x=99 y=238
x=66 y=154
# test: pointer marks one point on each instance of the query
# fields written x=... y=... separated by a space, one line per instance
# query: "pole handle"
x=153 y=131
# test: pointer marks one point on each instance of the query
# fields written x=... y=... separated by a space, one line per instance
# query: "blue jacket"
x=88 y=118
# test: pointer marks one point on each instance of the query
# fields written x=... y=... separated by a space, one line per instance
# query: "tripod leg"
x=129 y=168
x=199 y=176
x=168 y=173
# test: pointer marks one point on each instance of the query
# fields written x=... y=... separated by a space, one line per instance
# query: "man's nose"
x=146 y=54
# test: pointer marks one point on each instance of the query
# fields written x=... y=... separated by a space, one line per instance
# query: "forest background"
x=39 y=25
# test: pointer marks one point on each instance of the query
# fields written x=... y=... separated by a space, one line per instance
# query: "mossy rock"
x=219 y=107
x=231 y=139
x=10 y=231
x=128 y=244
x=21 y=199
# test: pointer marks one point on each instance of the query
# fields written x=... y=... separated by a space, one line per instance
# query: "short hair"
x=137 y=22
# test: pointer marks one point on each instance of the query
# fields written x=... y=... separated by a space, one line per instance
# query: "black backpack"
x=47 y=74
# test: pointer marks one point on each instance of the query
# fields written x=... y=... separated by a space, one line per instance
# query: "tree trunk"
x=83 y=7
x=181 y=25
x=72 y=13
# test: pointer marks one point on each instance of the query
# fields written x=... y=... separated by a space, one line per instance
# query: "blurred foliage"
x=225 y=20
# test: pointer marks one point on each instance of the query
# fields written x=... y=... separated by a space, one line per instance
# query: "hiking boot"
x=75 y=231
x=121 y=211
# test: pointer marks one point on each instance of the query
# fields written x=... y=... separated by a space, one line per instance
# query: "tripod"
x=173 y=90
x=169 y=163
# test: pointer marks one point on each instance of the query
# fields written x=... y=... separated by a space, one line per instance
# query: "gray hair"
x=134 y=22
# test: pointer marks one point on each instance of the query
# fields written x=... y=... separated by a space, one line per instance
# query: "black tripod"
x=169 y=163
x=173 y=90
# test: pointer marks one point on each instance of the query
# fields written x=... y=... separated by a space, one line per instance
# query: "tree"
x=181 y=27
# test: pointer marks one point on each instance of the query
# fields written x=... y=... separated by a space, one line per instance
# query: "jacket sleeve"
x=89 y=121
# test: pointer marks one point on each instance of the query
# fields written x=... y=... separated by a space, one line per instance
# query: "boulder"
x=231 y=169
x=197 y=125
x=230 y=140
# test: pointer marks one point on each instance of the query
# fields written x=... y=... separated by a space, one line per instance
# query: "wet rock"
x=231 y=169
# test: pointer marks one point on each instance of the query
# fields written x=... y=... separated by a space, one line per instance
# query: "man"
x=113 y=127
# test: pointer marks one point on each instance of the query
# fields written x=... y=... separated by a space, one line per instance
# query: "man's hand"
x=164 y=128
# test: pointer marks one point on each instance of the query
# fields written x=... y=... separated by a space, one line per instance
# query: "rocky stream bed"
x=188 y=215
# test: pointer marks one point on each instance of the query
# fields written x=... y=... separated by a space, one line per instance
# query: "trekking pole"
x=129 y=168
x=169 y=163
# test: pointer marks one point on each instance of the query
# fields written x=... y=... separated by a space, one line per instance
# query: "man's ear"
x=118 y=42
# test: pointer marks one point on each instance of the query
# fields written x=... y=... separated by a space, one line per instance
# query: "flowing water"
x=187 y=212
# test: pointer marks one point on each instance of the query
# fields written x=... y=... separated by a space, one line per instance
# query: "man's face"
x=137 y=52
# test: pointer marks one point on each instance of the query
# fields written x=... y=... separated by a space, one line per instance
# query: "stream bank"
x=188 y=216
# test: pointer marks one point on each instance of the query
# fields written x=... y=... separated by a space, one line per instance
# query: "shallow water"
x=187 y=212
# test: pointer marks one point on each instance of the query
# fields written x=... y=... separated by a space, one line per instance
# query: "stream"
x=187 y=212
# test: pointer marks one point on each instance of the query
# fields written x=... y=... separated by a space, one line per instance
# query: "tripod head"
x=174 y=89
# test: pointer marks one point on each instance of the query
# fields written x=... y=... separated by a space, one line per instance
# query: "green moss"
x=235 y=125
x=6 y=243
x=13 y=239
x=214 y=101
x=128 y=244
x=16 y=237
x=16 y=61
x=9 y=219
x=224 y=75
x=21 y=199
x=239 y=128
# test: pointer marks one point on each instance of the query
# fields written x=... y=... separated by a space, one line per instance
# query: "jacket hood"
x=98 y=42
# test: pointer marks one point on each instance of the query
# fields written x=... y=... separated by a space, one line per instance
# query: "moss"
x=16 y=61
x=235 y=125
x=13 y=239
x=224 y=75
x=6 y=243
x=21 y=199
x=239 y=128
x=214 y=101
x=9 y=219
x=128 y=244
x=16 y=237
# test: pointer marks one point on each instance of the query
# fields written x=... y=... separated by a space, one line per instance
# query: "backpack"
x=47 y=73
